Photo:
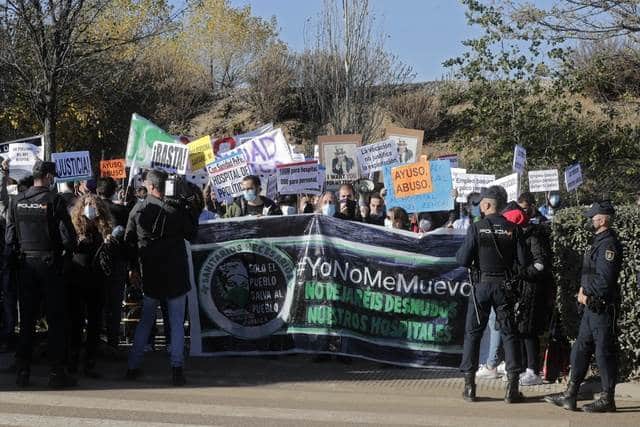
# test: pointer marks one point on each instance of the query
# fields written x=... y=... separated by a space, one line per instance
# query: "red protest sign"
x=113 y=168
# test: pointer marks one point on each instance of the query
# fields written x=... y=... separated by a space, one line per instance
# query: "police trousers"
x=39 y=280
x=489 y=293
x=596 y=334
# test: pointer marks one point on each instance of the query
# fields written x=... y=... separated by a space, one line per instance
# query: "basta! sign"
x=172 y=158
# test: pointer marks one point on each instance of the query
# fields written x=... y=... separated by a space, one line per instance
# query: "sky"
x=421 y=33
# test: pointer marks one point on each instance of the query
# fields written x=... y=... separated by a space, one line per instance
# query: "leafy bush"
x=571 y=238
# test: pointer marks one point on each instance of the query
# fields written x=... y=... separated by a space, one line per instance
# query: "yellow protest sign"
x=412 y=179
x=200 y=153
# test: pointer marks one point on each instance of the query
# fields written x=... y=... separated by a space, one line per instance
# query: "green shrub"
x=571 y=237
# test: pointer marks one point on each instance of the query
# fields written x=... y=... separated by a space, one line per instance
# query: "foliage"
x=570 y=240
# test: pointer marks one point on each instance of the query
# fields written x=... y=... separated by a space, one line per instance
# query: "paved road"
x=289 y=391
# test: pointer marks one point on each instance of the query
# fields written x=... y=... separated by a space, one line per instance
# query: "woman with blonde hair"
x=91 y=262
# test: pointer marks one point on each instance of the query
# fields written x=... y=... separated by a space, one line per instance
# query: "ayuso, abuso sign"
x=297 y=284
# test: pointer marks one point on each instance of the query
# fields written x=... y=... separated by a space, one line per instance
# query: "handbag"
x=103 y=260
x=557 y=352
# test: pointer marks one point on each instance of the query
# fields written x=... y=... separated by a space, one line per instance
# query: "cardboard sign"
x=439 y=199
x=373 y=157
x=24 y=154
x=142 y=135
x=467 y=183
x=453 y=159
x=115 y=169
x=411 y=180
x=172 y=158
x=573 y=177
x=264 y=152
x=511 y=185
x=200 y=153
x=408 y=141
x=519 y=159
x=297 y=178
x=72 y=166
x=543 y=181
x=338 y=154
x=18 y=172
x=226 y=176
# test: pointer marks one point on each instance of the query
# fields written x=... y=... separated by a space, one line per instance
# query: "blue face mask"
x=475 y=211
x=329 y=209
x=554 y=201
x=90 y=212
x=249 y=195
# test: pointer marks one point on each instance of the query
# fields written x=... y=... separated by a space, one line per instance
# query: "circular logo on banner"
x=245 y=288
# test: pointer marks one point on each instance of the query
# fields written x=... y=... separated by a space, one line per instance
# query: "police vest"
x=32 y=218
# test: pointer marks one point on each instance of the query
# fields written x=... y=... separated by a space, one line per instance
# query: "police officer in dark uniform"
x=39 y=231
x=599 y=294
x=494 y=248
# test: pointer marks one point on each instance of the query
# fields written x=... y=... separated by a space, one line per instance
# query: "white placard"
x=244 y=137
x=298 y=177
x=227 y=175
x=510 y=184
x=573 y=177
x=467 y=183
x=170 y=157
x=72 y=166
x=264 y=152
x=544 y=180
x=373 y=157
x=23 y=154
x=519 y=159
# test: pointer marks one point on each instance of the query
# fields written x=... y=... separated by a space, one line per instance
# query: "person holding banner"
x=495 y=248
x=156 y=232
x=39 y=231
x=251 y=203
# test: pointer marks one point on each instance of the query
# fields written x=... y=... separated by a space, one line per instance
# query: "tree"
x=346 y=71
x=48 y=46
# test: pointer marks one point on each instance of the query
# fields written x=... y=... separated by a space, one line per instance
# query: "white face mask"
x=90 y=212
x=388 y=223
x=288 y=210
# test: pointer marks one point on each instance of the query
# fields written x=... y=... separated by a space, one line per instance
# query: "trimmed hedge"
x=571 y=237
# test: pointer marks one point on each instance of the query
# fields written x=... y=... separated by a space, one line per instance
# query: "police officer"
x=599 y=295
x=39 y=230
x=493 y=247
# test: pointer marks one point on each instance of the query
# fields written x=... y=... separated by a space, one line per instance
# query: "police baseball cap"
x=42 y=168
x=600 y=208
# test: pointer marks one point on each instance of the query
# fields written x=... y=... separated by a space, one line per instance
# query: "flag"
x=142 y=134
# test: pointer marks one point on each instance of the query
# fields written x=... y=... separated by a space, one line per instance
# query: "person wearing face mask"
x=327 y=204
x=347 y=205
x=470 y=213
x=377 y=212
x=599 y=297
x=287 y=204
x=93 y=225
x=39 y=231
x=251 y=203
x=552 y=205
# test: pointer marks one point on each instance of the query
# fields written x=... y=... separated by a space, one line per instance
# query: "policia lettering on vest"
x=39 y=231
x=494 y=248
x=599 y=299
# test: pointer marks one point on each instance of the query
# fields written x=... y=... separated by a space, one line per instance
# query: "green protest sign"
x=142 y=134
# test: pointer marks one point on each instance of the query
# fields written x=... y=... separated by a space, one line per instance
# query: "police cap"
x=41 y=168
x=600 y=208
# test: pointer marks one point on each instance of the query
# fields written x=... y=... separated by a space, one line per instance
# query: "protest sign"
x=264 y=152
x=24 y=154
x=511 y=185
x=172 y=158
x=302 y=283
x=18 y=172
x=519 y=159
x=223 y=145
x=226 y=176
x=544 y=180
x=338 y=154
x=467 y=183
x=200 y=153
x=142 y=135
x=452 y=158
x=73 y=165
x=408 y=141
x=297 y=178
x=115 y=169
x=437 y=199
x=199 y=177
x=244 y=137
x=373 y=157
x=573 y=177
x=411 y=180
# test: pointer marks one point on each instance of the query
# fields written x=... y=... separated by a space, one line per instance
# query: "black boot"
x=59 y=378
x=22 y=379
x=605 y=403
x=469 y=393
x=567 y=399
x=512 y=394
x=178 y=377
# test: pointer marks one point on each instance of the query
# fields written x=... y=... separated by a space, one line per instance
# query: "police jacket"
x=601 y=267
x=479 y=249
x=38 y=222
x=155 y=237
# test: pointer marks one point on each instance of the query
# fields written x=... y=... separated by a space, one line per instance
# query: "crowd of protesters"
x=118 y=235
